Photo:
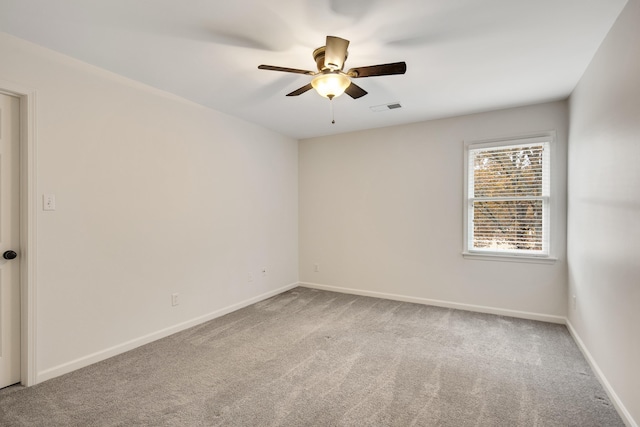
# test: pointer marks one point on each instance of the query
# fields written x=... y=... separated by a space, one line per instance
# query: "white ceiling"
x=462 y=56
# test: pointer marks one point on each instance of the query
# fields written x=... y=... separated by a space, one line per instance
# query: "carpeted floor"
x=316 y=358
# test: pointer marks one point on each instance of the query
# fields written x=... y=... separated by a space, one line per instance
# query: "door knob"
x=9 y=255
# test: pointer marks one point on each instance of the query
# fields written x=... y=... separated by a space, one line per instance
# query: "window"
x=508 y=197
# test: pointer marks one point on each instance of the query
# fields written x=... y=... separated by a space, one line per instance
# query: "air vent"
x=386 y=107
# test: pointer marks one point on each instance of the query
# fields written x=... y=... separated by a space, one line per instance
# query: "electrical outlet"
x=264 y=271
x=174 y=299
x=250 y=277
x=49 y=202
x=316 y=268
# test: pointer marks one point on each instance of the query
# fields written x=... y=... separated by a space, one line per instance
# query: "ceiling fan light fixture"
x=330 y=81
x=330 y=84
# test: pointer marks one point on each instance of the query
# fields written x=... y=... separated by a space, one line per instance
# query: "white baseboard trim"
x=447 y=304
x=622 y=410
x=137 y=342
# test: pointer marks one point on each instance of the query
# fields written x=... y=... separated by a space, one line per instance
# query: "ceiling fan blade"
x=285 y=69
x=300 y=91
x=335 y=52
x=355 y=91
x=378 y=70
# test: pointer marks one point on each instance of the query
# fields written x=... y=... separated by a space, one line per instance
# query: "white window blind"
x=508 y=198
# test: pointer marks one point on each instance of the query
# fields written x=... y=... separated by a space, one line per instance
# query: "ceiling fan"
x=330 y=81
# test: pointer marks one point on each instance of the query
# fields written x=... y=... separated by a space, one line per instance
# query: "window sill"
x=510 y=258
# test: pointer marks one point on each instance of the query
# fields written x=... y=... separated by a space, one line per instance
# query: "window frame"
x=548 y=205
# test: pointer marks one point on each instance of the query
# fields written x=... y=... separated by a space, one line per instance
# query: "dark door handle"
x=9 y=255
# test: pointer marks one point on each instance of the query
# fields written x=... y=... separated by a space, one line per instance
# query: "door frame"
x=28 y=216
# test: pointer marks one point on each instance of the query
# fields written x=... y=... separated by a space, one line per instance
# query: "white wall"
x=155 y=195
x=604 y=208
x=381 y=212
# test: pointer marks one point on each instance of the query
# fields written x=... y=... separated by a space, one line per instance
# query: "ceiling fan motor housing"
x=318 y=56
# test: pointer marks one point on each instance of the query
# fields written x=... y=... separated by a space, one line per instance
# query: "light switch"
x=49 y=202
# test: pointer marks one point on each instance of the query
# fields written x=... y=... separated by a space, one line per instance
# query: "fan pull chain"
x=333 y=120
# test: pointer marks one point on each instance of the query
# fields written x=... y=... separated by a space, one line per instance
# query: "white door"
x=9 y=240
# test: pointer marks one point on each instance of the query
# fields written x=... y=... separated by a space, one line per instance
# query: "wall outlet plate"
x=49 y=202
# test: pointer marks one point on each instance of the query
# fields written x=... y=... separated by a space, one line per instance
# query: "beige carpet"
x=315 y=358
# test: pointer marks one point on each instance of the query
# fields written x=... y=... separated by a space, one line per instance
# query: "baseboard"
x=137 y=342
x=439 y=303
x=622 y=410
